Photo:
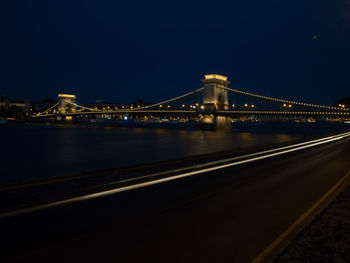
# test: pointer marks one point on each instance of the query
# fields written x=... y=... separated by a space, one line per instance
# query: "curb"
x=269 y=254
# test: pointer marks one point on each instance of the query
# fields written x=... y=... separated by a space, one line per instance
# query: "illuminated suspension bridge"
x=214 y=99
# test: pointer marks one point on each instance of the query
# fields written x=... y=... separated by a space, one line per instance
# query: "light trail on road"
x=263 y=155
x=198 y=166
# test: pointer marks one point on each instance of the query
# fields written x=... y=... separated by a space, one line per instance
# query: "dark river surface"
x=41 y=151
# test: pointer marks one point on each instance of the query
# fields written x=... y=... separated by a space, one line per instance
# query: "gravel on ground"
x=326 y=239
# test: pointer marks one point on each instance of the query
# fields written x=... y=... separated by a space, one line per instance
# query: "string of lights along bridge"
x=214 y=99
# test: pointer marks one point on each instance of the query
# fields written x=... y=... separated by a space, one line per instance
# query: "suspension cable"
x=169 y=100
x=47 y=109
x=83 y=107
x=281 y=100
x=145 y=107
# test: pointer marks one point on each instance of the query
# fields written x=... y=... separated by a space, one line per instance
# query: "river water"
x=41 y=151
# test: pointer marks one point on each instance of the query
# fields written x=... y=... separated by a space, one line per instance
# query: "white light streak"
x=280 y=151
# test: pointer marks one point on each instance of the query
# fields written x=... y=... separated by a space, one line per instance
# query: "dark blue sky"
x=124 y=50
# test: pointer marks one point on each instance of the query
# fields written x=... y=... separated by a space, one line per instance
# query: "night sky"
x=124 y=50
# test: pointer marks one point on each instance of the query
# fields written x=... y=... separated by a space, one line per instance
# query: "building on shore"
x=6 y=102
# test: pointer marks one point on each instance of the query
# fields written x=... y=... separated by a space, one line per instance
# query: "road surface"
x=226 y=211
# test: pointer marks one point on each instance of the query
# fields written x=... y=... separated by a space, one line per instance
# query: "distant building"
x=344 y=103
x=6 y=102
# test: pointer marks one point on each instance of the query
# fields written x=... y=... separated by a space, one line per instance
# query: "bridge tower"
x=65 y=103
x=214 y=94
x=215 y=99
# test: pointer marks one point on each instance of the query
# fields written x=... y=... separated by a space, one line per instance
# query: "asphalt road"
x=224 y=215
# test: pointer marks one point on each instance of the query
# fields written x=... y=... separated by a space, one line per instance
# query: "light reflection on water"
x=33 y=151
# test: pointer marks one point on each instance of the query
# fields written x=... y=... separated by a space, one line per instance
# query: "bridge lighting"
x=245 y=105
x=168 y=106
x=289 y=106
x=233 y=105
x=160 y=106
x=183 y=105
x=253 y=106
x=202 y=107
x=215 y=76
x=197 y=104
x=284 y=105
x=138 y=106
x=67 y=96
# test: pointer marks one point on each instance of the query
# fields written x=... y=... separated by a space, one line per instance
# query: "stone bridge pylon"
x=214 y=94
x=215 y=99
x=66 y=103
